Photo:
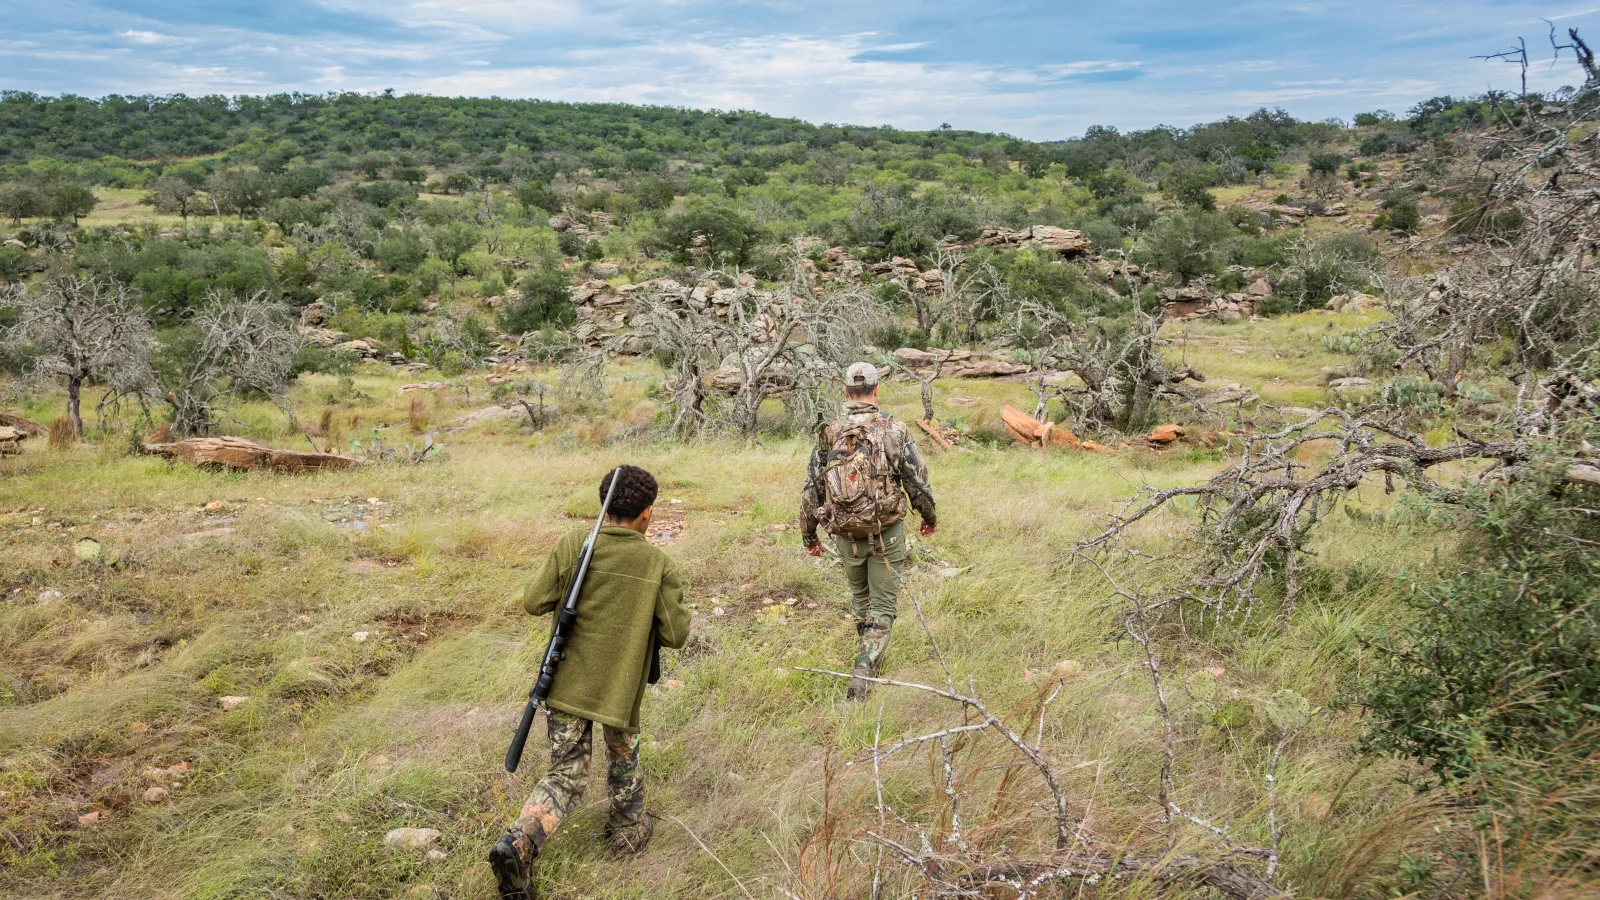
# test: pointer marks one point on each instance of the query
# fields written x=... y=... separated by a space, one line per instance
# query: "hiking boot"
x=860 y=687
x=630 y=841
x=513 y=867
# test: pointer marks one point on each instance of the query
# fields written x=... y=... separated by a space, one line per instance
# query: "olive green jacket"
x=632 y=601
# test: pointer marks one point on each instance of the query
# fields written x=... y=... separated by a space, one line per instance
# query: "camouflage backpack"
x=861 y=493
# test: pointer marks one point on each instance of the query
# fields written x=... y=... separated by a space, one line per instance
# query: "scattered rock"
x=89 y=819
x=233 y=702
x=360 y=637
x=1166 y=434
x=415 y=839
x=1350 y=383
x=422 y=386
x=780 y=527
x=436 y=855
x=154 y=794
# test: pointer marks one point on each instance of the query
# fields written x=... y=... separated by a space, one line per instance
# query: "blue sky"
x=1042 y=70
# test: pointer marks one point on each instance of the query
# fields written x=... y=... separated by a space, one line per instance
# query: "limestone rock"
x=233 y=702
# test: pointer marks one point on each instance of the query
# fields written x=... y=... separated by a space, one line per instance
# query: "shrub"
x=1494 y=683
x=1326 y=163
x=1402 y=215
x=1191 y=186
x=546 y=300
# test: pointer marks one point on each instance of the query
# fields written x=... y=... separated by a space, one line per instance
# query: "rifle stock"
x=560 y=633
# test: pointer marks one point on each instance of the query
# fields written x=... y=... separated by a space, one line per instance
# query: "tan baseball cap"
x=861 y=373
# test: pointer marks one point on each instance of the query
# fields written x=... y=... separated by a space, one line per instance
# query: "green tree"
x=458 y=183
x=1187 y=244
x=70 y=200
x=172 y=195
x=721 y=231
x=19 y=200
x=453 y=240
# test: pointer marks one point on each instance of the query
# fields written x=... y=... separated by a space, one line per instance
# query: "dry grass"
x=122 y=674
x=63 y=434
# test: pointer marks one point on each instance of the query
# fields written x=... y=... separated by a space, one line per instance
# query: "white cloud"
x=1092 y=67
x=146 y=38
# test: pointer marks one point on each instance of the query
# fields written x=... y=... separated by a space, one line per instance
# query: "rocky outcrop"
x=1187 y=303
x=1065 y=241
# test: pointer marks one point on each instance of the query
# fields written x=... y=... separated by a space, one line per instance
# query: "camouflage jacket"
x=911 y=472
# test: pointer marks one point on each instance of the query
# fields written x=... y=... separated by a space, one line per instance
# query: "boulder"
x=917 y=359
x=1165 y=434
x=321 y=337
x=362 y=348
x=987 y=369
x=11 y=440
x=1346 y=383
x=605 y=269
x=1261 y=288
x=239 y=454
x=418 y=840
x=1062 y=240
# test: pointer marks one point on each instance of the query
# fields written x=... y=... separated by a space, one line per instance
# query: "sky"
x=1040 y=70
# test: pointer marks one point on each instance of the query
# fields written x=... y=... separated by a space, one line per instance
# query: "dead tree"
x=83 y=330
x=1256 y=515
x=1120 y=364
x=925 y=377
x=742 y=347
x=1521 y=302
x=230 y=349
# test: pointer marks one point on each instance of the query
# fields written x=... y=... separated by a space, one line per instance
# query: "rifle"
x=560 y=632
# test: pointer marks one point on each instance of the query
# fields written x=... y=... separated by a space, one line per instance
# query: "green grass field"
x=112 y=669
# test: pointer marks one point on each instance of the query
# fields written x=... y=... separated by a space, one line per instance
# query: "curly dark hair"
x=636 y=492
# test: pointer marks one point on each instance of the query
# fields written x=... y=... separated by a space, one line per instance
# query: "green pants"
x=872 y=567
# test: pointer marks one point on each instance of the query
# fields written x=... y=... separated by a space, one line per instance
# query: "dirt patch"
x=668 y=523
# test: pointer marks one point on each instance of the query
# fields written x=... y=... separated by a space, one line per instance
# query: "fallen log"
x=31 y=429
x=240 y=454
x=933 y=432
x=1034 y=433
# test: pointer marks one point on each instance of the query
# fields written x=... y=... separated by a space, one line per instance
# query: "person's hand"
x=927 y=530
x=815 y=549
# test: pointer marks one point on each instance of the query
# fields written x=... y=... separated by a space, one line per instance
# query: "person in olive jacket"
x=632 y=603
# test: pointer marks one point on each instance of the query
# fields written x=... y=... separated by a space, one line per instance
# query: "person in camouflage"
x=631 y=605
x=874 y=553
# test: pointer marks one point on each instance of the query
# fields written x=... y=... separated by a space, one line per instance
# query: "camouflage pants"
x=872 y=567
x=561 y=788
